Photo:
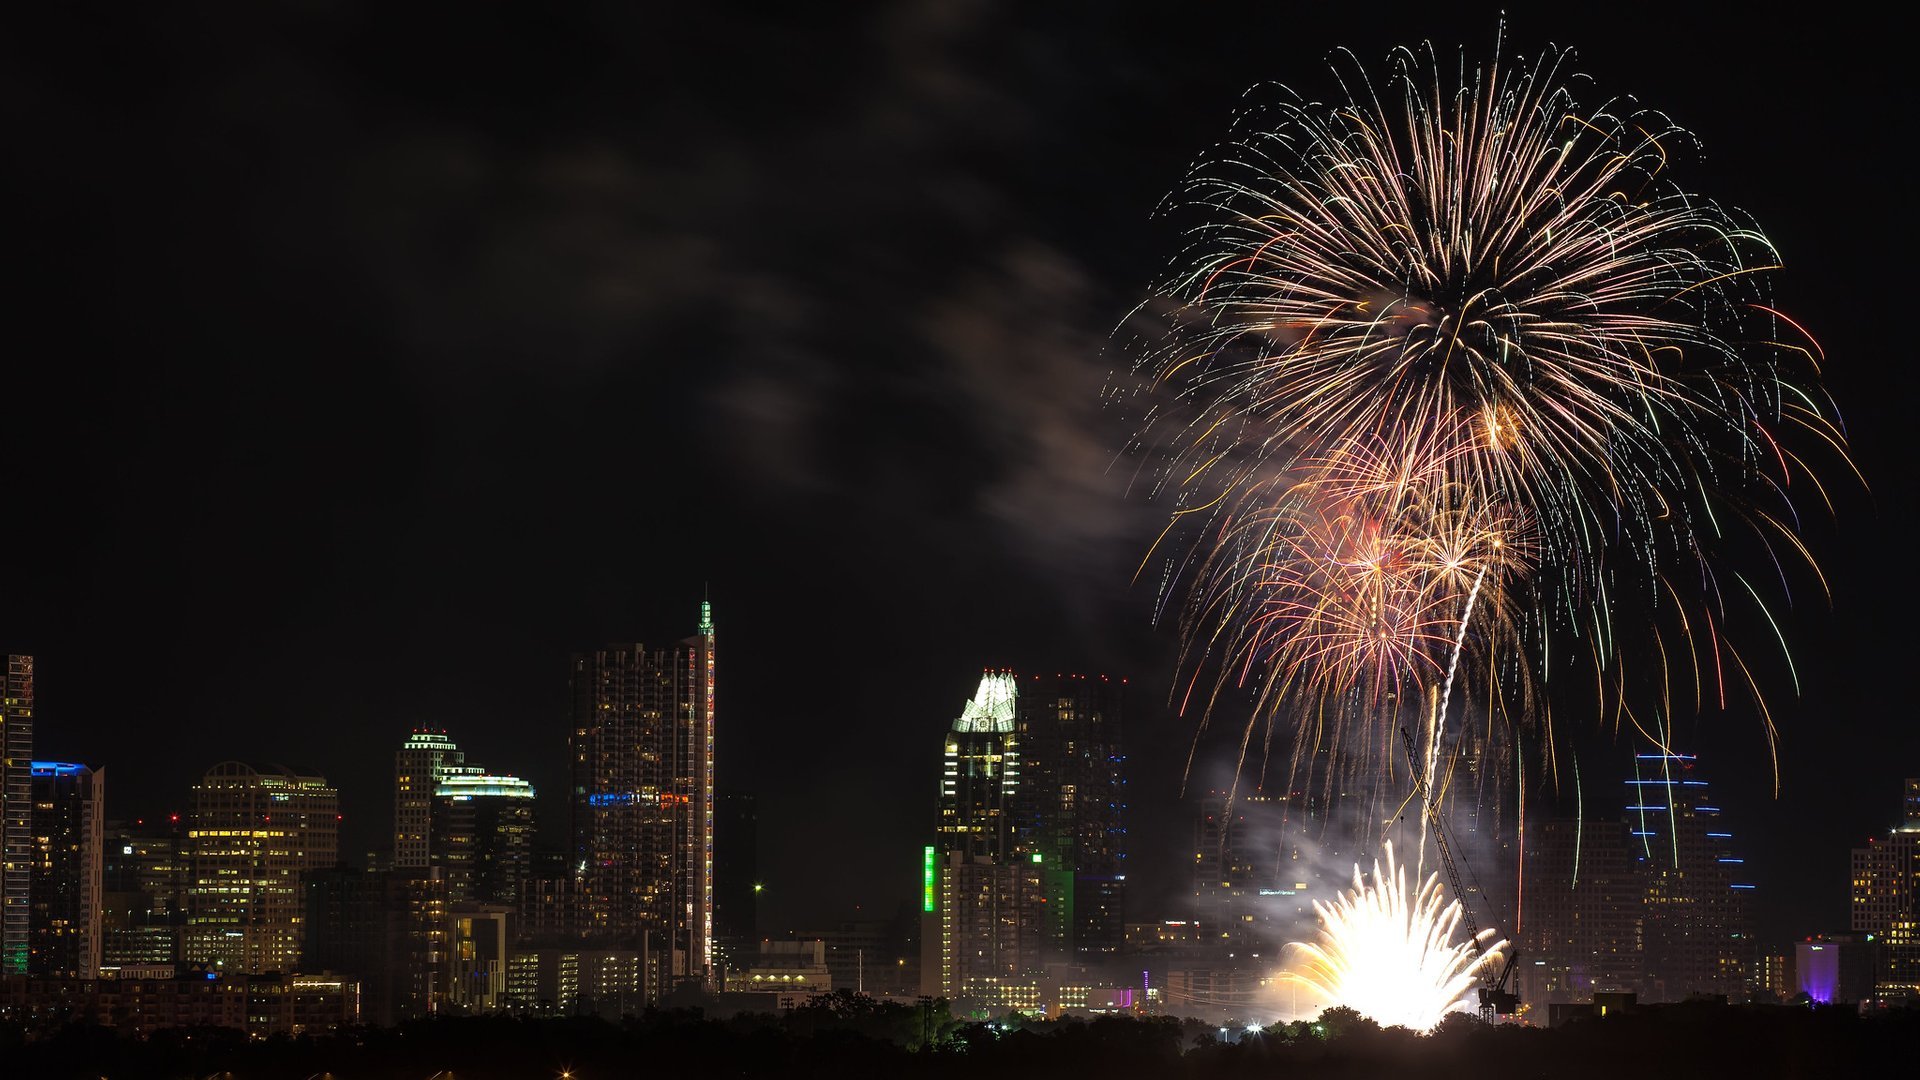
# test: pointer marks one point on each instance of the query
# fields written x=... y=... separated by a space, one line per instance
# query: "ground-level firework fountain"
x=1387 y=951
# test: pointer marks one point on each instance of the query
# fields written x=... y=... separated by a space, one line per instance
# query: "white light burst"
x=1388 y=953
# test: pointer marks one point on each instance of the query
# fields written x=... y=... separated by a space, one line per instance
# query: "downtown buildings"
x=1027 y=870
x=255 y=831
x=1654 y=903
x=1884 y=901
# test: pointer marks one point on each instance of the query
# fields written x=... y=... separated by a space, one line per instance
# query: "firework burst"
x=1454 y=368
x=1387 y=951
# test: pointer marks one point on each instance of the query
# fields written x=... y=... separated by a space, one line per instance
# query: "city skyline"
x=1016 y=810
x=373 y=402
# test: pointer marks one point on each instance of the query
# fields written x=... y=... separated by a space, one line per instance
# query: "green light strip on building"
x=926 y=879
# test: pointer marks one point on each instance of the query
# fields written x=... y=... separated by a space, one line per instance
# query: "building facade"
x=984 y=927
x=254 y=832
x=642 y=800
x=482 y=836
x=1585 y=918
x=143 y=907
x=388 y=929
x=16 y=811
x=69 y=823
x=1697 y=936
x=421 y=764
x=1884 y=899
x=1074 y=800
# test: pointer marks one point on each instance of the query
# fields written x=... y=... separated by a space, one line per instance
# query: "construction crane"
x=1495 y=998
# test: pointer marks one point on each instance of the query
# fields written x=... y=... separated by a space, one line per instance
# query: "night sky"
x=366 y=363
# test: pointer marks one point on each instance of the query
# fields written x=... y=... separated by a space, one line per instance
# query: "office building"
x=421 y=764
x=1696 y=936
x=16 y=811
x=253 y=833
x=143 y=905
x=1585 y=914
x=478 y=957
x=1841 y=969
x=984 y=928
x=1073 y=799
x=65 y=890
x=641 y=742
x=388 y=929
x=481 y=829
x=877 y=957
x=1884 y=899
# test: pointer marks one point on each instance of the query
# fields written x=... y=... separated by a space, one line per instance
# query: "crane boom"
x=1432 y=814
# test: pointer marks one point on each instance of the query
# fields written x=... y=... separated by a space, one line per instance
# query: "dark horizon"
x=376 y=361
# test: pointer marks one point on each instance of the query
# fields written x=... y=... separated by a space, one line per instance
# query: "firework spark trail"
x=1428 y=316
x=1437 y=731
x=1388 y=951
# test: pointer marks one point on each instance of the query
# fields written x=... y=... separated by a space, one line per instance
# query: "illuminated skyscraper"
x=253 y=833
x=984 y=927
x=642 y=800
x=16 y=811
x=419 y=766
x=1696 y=935
x=482 y=831
x=69 y=821
x=1885 y=899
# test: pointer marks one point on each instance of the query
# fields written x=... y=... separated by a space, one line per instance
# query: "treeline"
x=845 y=1035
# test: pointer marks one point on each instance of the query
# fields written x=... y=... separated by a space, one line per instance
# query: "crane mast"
x=1494 y=995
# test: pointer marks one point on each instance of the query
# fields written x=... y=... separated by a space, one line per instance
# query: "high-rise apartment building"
x=1697 y=938
x=16 y=811
x=1235 y=856
x=482 y=836
x=1585 y=912
x=254 y=832
x=420 y=765
x=643 y=800
x=69 y=822
x=1885 y=899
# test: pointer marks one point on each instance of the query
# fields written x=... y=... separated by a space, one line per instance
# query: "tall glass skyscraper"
x=1028 y=864
x=1697 y=936
x=69 y=823
x=984 y=929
